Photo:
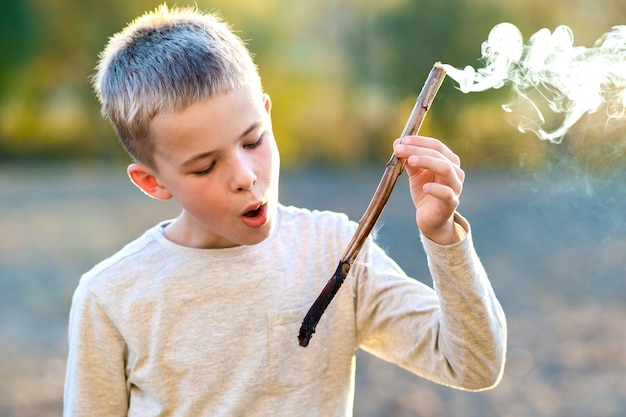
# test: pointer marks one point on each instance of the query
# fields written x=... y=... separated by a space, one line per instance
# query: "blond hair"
x=164 y=61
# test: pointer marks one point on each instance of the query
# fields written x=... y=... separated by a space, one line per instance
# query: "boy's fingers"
x=415 y=145
x=447 y=172
x=443 y=193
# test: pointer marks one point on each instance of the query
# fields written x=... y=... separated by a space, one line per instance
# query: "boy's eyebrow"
x=203 y=155
x=195 y=158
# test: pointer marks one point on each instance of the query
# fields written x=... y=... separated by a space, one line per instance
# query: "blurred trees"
x=343 y=75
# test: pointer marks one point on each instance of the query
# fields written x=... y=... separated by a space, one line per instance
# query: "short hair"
x=166 y=60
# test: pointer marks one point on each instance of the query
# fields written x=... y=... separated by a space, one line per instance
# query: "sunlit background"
x=343 y=75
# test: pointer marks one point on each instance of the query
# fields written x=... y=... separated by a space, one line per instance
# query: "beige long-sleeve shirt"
x=164 y=330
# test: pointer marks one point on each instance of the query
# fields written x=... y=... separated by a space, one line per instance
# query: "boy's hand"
x=436 y=181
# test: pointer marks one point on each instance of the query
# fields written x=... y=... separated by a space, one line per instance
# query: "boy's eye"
x=204 y=171
x=256 y=143
x=252 y=145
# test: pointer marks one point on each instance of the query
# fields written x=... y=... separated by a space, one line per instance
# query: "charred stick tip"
x=323 y=300
x=306 y=332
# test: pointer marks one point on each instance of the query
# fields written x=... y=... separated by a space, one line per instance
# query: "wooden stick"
x=393 y=170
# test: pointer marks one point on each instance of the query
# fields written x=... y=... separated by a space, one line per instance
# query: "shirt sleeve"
x=95 y=380
x=453 y=334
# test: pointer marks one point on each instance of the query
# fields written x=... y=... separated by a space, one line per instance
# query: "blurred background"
x=343 y=76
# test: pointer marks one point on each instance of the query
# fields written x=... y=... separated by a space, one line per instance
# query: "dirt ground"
x=553 y=244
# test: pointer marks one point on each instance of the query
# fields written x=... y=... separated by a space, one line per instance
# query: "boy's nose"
x=244 y=176
x=247 y=183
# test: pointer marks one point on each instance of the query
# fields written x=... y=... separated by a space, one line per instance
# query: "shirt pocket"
x=291 y=365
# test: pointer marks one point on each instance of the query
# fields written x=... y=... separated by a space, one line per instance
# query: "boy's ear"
x=144 y=178
x=267 y=103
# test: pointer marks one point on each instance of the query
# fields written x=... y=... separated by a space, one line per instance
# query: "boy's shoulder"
x=311 y=230
x=135 y=257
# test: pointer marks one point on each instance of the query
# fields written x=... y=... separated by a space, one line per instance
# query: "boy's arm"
x=454 y=334
x=472 y=324
x=95 y=381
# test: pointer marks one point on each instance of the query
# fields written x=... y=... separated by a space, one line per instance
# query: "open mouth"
x=253 y=213
x=256 y=217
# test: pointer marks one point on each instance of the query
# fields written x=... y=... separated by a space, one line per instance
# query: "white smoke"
x=571 y=80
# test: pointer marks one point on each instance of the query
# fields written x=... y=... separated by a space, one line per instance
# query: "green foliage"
x=343 y=76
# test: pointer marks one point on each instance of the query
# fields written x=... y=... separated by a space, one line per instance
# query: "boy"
x=200 y=315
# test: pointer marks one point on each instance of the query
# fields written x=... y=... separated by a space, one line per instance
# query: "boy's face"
x=219 y=160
